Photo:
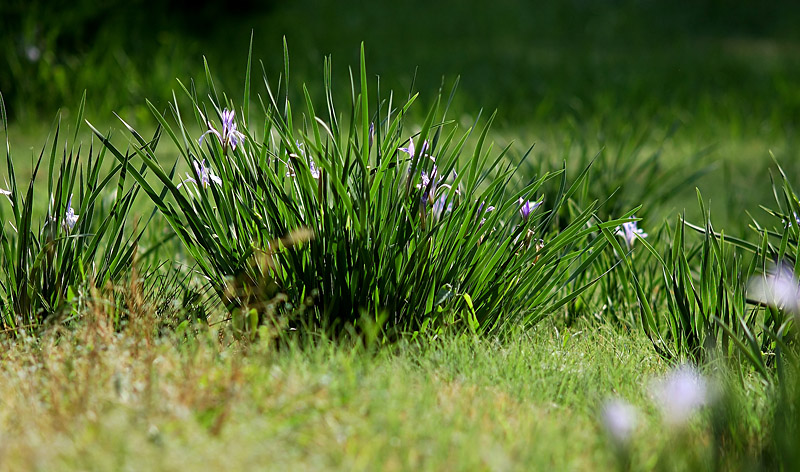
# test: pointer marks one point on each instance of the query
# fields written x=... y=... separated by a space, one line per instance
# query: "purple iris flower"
x=410 y=150
x=481 y=212
x=312 y=166
x=429 y=184
x=230 y=136
x=205 y=173
x=440 y=206
x=527 y=207
x=425 y=178
x=630 y=232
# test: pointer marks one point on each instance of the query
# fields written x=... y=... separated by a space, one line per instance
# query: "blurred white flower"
x=778 y=288
x=32 y=53
x=680 y=393
x=619 y=419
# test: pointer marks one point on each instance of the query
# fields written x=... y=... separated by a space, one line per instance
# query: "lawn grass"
x=617 y=83
x=92 y=399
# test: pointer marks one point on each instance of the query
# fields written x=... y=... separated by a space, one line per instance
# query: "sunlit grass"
x=404 y=340
x=92 y=398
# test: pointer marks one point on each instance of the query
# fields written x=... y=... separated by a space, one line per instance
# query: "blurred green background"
x=532 y=60
x=573 y=76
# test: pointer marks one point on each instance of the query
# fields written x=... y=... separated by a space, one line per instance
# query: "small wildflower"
x=482 y=212
x=439 y=207
x=425 y=178
x=205 y=173
x=429 y=184
x=70 y=218
x=527 y=207
x=230 y=136
x=371 y=134
x=619 y=419
x=630 y=232
x=488 y=209
x=778 y=288
x=680 y=393
x=32 y=53
x=411 y=151
x=312 y=166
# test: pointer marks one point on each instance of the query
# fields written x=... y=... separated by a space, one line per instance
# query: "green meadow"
x=426 y=236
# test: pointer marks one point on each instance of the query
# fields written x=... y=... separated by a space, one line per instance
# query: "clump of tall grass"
x=707 y=296
x=354 y=220
x=48 y=264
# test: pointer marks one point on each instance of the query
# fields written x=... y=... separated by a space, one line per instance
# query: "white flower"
x=70 y=218
x=630 y=232
x=312 y=167
x=680 y=393
x=619 y=419
x=778 y=288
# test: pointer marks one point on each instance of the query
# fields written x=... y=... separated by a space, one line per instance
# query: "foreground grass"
x=92 y=399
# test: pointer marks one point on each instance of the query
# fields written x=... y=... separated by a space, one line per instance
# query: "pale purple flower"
x=481 y=212
x=230 y=136
x=630 y=232
x=371 y=134
x=312 y=166
x=778 y=288
x=527 y=207
x=439 y=207
x=425 y=178
x=424 y=197
x=32 y=53
x=410 y=150
x=205 y=173
x=619 y=419
x=680 y=394
x=70 y=218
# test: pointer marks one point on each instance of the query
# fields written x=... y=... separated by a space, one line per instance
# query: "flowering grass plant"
x=347 y=225
x=47 y=267
x=345 y=215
